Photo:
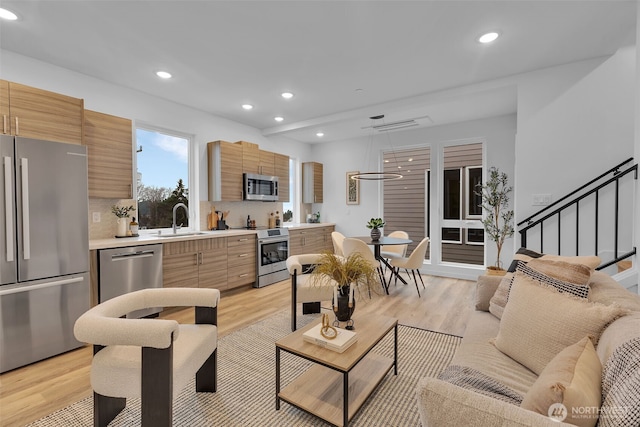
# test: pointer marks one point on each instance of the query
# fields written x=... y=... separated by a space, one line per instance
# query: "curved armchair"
x=395 y=251
x=413 y=262
x=338 y=239
x=302 y=290
x=149 y=358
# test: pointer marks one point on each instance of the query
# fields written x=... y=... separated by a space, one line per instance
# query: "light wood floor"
x=29 y=393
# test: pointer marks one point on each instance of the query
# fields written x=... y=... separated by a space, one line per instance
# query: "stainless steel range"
x=273 y=251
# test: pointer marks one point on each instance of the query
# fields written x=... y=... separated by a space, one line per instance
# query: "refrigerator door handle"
x=26 y=246
x=8 y=208
x=17 y=289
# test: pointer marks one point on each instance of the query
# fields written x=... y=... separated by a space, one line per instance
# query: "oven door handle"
x=260 y=241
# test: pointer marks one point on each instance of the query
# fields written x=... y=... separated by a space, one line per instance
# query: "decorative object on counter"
x=349 y=273
x=122 y=212
x=353 y=189
x=277 y=219
x=248 y=221
x=272 y=220
x=313 y=218
x=375 y=224
x=498 y=222
x=133 y=227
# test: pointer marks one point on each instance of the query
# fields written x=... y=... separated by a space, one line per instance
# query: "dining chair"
x=351 y=246
x=390 y=252
x=338 y=240
x=413 y=262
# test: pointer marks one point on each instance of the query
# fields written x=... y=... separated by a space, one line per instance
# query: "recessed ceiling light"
x=488 y=37
x=247 y=106
x=320 y=134
x=287 y=95
x=278 y=119
x=163 y=74
x=7 y=14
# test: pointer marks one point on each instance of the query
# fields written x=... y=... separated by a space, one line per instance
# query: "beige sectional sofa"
x=492 y=377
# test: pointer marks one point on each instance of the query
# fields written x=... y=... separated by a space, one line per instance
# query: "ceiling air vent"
x=400 y=124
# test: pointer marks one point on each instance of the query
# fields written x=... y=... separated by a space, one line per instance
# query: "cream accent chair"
x=338 y=240
x=390 y=252
x=356 y=245
x=413 y=262
x=149 y=358
x=303 y=290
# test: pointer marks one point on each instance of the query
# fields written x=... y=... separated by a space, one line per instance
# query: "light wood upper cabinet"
x=250 y=157
x=282 y=172
x=4 y=107
x=109 y=141
x=312 y=187
x=225 y=171
x=266 y=164
x=40 y=114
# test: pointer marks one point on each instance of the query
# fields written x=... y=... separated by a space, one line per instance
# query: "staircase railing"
x=607 y=181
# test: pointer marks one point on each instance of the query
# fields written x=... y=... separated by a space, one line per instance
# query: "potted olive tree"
x=498 y=221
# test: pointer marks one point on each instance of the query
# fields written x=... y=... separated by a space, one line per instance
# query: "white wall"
x=363 y=154
x=112 y=99
x=577 y=118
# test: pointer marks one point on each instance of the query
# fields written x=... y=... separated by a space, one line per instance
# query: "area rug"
x=246 y=383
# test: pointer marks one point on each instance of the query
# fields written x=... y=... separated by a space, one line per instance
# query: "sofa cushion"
x=539 y=322
x=572 y=379
x=566 y=276
x=477 y=352
x=604 y=289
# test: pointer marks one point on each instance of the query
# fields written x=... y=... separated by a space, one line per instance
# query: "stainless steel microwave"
x=260 y=187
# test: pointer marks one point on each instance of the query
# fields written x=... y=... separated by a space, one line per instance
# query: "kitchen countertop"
x=150 y=239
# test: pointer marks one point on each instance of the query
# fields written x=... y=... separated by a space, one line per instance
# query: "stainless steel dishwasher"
x=125 y=270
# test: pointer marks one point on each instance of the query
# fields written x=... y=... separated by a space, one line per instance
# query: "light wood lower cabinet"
x=219 y=263
x=310 y=240
x=241 y=261
x=195 y=263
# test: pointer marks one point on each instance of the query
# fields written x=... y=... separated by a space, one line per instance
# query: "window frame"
x=192 y=183
x=468 y=242
x=444 y=194
x=469 y=192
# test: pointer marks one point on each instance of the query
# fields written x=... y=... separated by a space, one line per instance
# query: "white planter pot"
x=122 y=227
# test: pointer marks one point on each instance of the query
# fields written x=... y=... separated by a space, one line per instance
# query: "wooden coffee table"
x=337 y=385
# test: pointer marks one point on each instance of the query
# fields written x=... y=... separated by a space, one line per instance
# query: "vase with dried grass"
x=351 y=276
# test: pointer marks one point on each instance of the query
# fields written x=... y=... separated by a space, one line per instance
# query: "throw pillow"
x=485 y=289
x=539 y=322
x=575 y=284
x=499 y=299
x=526 y=255
x=562 y=275
x=572 y=378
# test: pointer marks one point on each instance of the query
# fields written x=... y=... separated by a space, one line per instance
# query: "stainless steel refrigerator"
x=44 y=279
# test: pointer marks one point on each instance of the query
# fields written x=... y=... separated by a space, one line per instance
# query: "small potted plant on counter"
x=122 y=213
x=375 y=224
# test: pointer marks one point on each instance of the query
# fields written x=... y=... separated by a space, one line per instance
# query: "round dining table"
x=377 y=244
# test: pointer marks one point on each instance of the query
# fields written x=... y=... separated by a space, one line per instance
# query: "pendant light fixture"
x=382 y=175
